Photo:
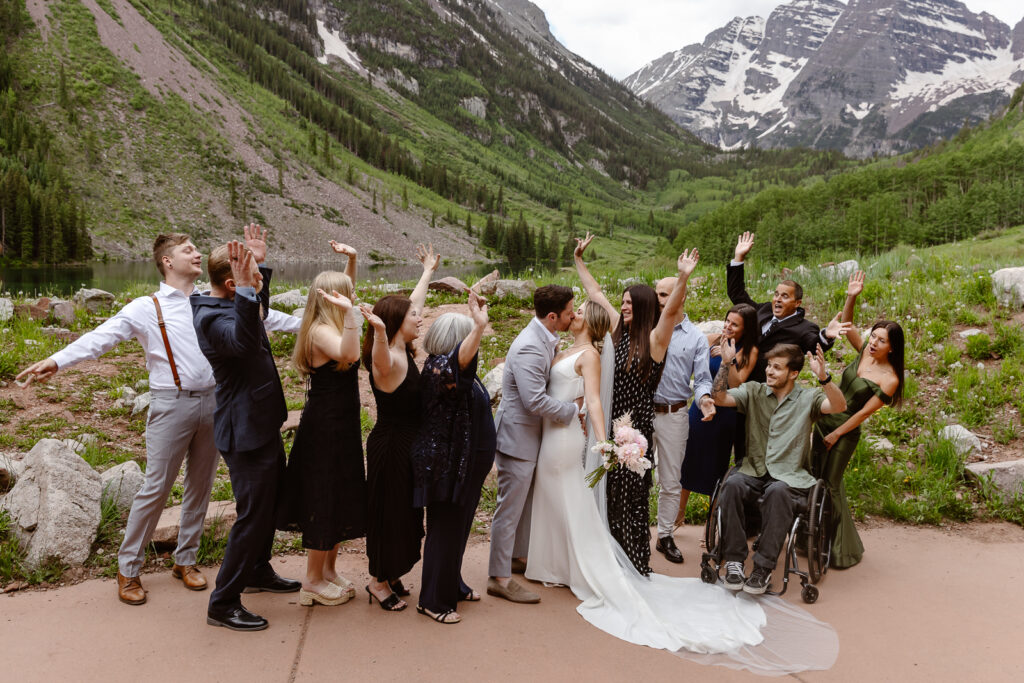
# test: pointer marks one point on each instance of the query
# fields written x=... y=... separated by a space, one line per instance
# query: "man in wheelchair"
x=775 y=473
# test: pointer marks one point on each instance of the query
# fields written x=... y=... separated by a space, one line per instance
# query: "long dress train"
x=571 y=545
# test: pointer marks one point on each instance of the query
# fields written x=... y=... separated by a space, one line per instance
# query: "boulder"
x=879 y=443
x=63 y=312
x=142 y=385
x=289 y=299
x=1008 y=477
x=6 y=309
x=93 y=299
x=962 y=439
x=492 y=382
x=448 y=284
x=121 y=483
x=59 y=332
x=87 y=439
x=1007 y=285
x=11 y=467
x=141 y=403
x=299 y=312
x=840 y=271
x=964 y=334
x=492 y=276
x=55 y=506
x=711 y=326
x=521 y=289
x=221 y=512
x=128 y=394
x=76 y=446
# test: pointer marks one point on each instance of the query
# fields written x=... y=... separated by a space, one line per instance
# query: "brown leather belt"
x=674 y=408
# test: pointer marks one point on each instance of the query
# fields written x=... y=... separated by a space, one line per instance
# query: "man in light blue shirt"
x=686 y=357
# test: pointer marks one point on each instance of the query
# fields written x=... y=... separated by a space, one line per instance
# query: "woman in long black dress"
x=394 y=527
x=710 y=444
x=453 y=455
x=641 y=336
x=325 y=484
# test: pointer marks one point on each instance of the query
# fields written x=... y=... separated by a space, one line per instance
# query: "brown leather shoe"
x=129 y=590
x=190 y=576
x=513 y=592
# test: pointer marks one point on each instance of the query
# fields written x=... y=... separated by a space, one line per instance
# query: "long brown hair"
x=751 y=332
x=645 y=317
x=896 y=350
x=391 y=309
x=320 y=312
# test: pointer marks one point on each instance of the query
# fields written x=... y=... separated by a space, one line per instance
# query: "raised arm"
x=242 y=333
x=430 y=262
x=661 y=335
x=735 y=286
x=350 y=267
x=589 y=367
x=720 y=387
x=381 y=360
x=344 y=347
x=853 y=290
x=834 y=402
x=590 y=286
x=471 y=344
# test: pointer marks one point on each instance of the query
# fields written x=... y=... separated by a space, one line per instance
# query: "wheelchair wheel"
x=809 y=593
x=819 y=524
x=711 y=527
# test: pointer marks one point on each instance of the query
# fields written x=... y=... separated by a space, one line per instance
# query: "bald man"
x=687 y=357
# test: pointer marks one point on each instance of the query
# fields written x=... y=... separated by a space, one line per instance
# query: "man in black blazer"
x=782 y=319
x=247 y=426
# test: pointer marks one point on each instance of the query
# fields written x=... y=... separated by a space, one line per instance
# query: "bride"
x=570 y=545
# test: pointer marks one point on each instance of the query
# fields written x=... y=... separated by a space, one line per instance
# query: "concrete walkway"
x=925 y=605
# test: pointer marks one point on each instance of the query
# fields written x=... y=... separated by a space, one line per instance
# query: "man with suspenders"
x=180 y=423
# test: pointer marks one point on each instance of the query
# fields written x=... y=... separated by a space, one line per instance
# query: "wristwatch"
x=823 y=382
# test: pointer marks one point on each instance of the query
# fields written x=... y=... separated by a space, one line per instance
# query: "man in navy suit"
x=247 y=427
x=781 y=320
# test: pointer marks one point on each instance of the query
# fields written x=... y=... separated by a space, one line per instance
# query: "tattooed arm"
x=720 y=388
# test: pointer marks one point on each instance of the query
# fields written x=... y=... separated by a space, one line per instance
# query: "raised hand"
x=241 y=264
x=375 y=322
x=856 y=284
x=743 y=246
x=477 y=309
x=427 y=257
x=817 y=363
x=581 y=245
x=339 y=300
x=340 y=248
x=727 y=349
x=836 y=328
x=256 y=241
x=41 y=370
x=687 y=262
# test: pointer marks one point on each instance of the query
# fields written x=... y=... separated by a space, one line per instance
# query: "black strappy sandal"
x=471 y=596
x=441 y=618
x=399 y=590
x=388 y=604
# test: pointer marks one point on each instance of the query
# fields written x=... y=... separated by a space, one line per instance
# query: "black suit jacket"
x=793 y=330
x=250 y=402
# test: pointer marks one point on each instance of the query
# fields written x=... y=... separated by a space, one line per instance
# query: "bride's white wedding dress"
x=570 y=545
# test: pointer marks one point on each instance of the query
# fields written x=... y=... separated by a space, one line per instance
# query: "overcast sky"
x=620 y=36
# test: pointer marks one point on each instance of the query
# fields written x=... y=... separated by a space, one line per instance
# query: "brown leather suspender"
x=167 y=343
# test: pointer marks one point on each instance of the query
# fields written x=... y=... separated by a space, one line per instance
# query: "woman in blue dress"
x=710 y=443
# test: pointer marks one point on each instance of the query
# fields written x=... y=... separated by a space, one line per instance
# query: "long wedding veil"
x=591 y=460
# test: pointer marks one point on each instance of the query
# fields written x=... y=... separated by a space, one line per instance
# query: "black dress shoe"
x=667 y=547
x=236 y=619
x=275 y=584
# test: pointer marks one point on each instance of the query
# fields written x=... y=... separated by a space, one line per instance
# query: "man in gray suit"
x=524 y=405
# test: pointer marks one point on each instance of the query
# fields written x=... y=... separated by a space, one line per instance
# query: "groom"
x=524 y=405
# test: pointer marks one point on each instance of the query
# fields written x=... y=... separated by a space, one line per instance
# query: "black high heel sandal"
x=398 y=589
x=388 y=604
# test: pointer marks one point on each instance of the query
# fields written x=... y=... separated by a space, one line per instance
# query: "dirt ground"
x=926 y=604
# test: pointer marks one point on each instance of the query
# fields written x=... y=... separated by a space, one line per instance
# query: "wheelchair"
x=810 y=535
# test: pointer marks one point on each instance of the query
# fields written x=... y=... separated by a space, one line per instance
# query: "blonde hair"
x=598 y=323
x=218 y=266
x=319 y=311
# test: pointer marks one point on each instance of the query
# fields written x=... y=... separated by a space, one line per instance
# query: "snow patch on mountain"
x=335 y=46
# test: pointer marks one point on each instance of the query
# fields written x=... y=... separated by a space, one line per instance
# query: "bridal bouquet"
x=626 y=448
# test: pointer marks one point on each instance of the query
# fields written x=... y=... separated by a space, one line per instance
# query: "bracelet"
x=823 y=382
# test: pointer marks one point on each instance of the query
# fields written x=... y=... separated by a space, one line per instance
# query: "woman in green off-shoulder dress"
x=874 y=379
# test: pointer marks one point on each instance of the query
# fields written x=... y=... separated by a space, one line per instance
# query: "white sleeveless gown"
x=570 y=545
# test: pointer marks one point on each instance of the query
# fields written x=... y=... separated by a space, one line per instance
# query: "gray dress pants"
x=510 y=528
x=180 y=426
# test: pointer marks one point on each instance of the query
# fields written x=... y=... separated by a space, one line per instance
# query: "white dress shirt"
x=138 y=319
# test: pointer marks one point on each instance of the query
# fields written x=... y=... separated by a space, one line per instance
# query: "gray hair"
x=446 y=332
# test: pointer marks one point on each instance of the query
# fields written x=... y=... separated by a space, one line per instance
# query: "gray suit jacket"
x=524 y=399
